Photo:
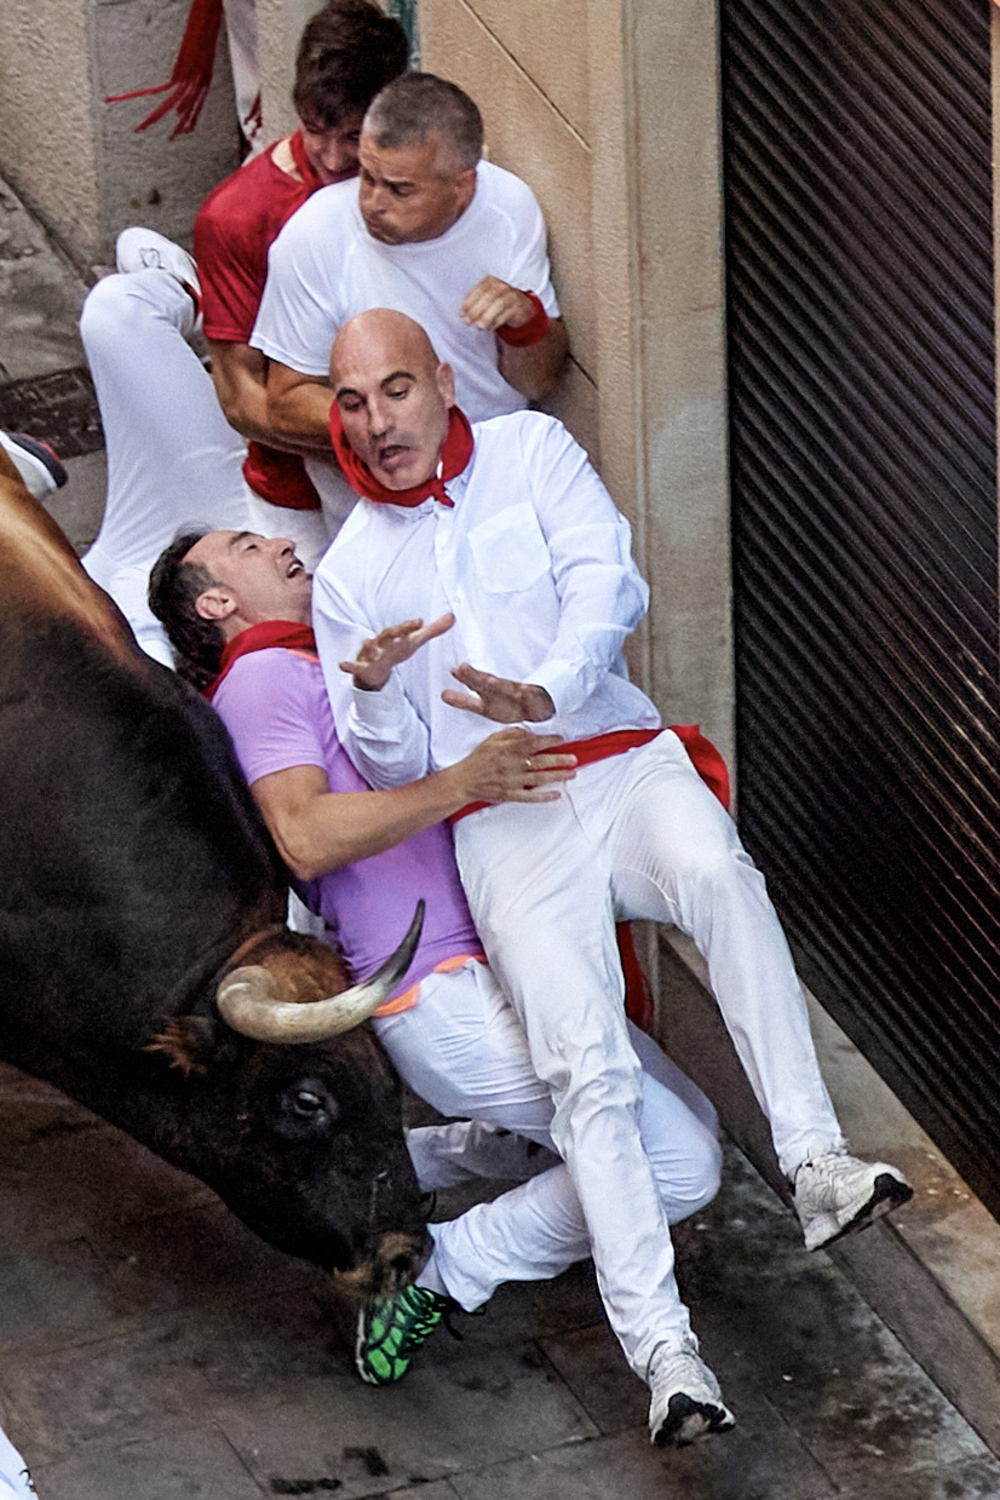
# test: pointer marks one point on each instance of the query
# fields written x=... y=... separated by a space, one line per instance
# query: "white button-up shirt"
x=535 y=563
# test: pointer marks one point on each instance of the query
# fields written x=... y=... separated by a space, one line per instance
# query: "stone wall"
x=77 y=162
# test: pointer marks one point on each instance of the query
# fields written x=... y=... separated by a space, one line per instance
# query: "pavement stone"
x=742 y=1465
x=974 y=1479
x=60 y=408
x=197 y=1464
x=457 y=1413
x=40 y=298
x=79 y=505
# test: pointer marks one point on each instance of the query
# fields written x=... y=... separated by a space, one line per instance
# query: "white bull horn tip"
x=247 y=1002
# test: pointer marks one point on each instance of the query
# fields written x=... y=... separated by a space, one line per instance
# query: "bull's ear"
x=187 y=1042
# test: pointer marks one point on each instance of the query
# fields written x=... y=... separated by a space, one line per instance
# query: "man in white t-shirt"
x=503 y=537
x=431 y=230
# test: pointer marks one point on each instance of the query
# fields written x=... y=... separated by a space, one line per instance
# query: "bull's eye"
x=307 y=1104
x=307 y=1109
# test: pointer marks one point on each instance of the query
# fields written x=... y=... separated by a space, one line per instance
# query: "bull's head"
x=317 y=1163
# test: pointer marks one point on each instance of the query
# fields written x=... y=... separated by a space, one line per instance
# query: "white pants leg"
x=14 y=1476
x=540 y=894
x=173 y=459
x=463 y=1049
x=335 y=494
x=677 y=857
x=446 y=1154
x=241 y=31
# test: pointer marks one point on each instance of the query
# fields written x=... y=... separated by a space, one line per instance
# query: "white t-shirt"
x=325 y=267
x=535 y=563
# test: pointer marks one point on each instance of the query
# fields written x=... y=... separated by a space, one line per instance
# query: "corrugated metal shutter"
x=860 y=287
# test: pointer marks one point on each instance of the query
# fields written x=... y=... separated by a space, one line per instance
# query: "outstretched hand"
x=397 y=643
x=514 y=765
x=498 y=698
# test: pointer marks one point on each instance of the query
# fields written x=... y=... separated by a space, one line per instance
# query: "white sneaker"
x=36 y=463
x=836 y=1194
x=138 y=249
x=686 y=1400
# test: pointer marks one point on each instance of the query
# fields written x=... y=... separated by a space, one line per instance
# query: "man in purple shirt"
x=237 y=607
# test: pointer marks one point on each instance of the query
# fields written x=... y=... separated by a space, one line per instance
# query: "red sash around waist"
x=701 y=752
x=639 y=1003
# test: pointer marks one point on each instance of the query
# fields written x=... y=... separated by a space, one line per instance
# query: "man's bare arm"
x=534 y=370
x=239 y=375
x=317 y=830
x=298 y=407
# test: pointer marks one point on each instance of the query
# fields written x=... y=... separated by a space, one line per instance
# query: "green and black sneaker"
x=390 y=1332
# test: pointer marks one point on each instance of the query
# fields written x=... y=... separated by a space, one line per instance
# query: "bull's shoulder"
x=41 y=576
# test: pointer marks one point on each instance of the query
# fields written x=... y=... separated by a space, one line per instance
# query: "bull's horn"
x=247 y=1003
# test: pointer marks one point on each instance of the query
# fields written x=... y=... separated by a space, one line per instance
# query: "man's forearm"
x=340 y=828
x=534 y=370
x=300 y=414
x=317 y=830
x=245 y=409
x=239 y=375
x=328 y=830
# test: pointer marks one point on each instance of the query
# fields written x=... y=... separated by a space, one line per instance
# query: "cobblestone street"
x=151 y=1347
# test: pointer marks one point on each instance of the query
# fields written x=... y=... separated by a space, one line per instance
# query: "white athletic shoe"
x=836 y=1194
x=36 y=463
x=140 y=249
x=686 y=1400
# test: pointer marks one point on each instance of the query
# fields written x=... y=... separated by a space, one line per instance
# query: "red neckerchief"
x=300 y=157
x=261 y=637
x=455 y=455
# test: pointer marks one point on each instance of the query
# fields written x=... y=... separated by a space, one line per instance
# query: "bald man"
x=503 y=537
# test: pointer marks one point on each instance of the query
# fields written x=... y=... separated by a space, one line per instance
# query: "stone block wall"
x=76 y=161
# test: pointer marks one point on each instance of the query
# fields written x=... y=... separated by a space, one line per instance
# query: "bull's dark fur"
x=133 y=863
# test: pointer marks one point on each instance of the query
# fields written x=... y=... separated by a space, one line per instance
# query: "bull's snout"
x=396 y=1261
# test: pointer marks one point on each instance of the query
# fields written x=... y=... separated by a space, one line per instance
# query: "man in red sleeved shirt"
x=348 y=52
x=177 y=449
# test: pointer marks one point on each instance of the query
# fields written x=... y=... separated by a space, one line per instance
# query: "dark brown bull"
x=144 y=964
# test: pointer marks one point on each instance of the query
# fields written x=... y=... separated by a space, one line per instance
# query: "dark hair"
x=419 y=105
x=348 y=51
x=175 y=587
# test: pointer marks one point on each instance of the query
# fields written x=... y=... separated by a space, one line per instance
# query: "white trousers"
x=463 y=1049
x=641 y=836
x=174 y=462
x=241 y=32
x=14 y=1476
x=173 y=459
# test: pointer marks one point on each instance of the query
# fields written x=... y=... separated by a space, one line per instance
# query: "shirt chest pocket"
x=509 y=551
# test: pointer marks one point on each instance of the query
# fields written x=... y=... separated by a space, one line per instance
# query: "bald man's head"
x=393 y=394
